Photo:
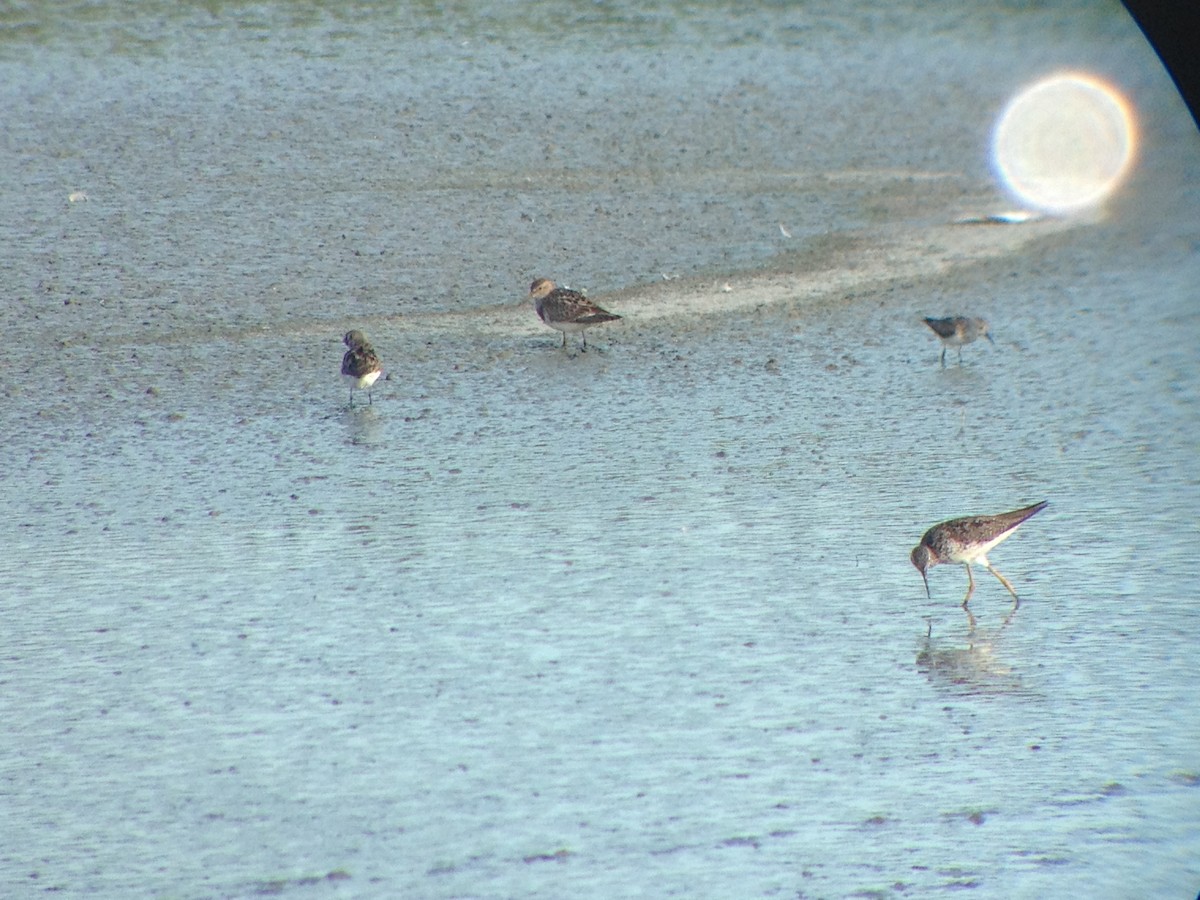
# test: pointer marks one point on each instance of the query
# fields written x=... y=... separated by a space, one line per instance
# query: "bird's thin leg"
x=970 y=586
x=970 y=620
x=352 y=398
x=564 y=343
x=943 y=357
x=370 y=400
x=960 y=355
x=1004 y=581
x=583 y=334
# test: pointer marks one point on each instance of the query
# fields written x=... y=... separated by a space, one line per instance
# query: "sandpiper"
x=566 y=310
x=360 y=366
x=968 y=540
x=958 y=330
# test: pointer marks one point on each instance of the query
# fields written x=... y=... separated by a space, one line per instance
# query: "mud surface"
x=636 y=621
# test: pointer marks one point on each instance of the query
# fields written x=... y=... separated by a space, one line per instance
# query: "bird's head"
x=922 y=557
x=540 y=288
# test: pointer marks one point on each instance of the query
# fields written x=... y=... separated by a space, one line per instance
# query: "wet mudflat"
x=635 y=621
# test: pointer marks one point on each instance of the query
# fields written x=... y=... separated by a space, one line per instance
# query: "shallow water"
x=636 y=621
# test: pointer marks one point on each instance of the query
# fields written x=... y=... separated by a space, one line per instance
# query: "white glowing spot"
x=1065 y=143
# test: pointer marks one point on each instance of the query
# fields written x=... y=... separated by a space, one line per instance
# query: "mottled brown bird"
x=968 y=540
x=566 y=310
x=360 y=366
x=957 y=331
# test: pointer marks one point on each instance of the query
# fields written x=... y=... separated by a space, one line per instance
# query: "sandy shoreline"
x=834 y=267
x=862 y=261
x=820 y=271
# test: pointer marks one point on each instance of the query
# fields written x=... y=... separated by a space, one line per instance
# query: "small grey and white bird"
x=957 y=331
x=566 y=310
x=360 y=366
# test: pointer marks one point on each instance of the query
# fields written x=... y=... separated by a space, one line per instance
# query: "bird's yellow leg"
x=1004 y=581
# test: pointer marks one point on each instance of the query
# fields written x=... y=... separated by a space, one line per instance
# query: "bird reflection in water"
x=977 y=667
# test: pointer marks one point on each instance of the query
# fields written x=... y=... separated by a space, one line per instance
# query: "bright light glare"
x=1065 y=143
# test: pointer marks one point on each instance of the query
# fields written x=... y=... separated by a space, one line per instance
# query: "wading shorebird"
x=566 y=310
x=958 y=330
x=968 y=540
x=360 y=366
